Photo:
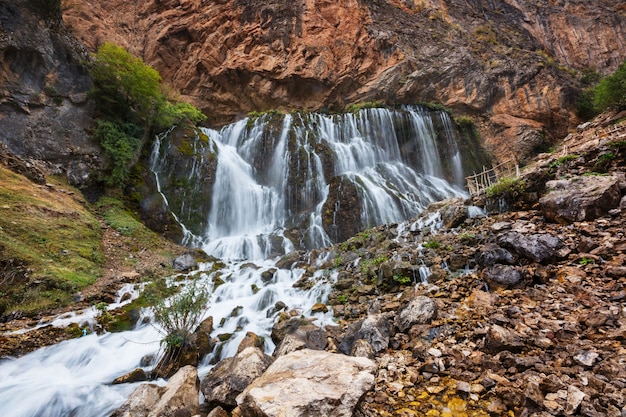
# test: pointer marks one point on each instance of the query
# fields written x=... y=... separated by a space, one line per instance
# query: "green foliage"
x=584 y=107
x=467 y=236
x=124 y=85
x=435 y=106
x=432 y=244
x=586 y=261
x=506 y=186
x=589 y=77
x=342 y=298
x=563 y=159
x=103 y=316
x=175 y=113
x=611 y=91
x=356 y=107
x=121 y=145
x=401 y=279
x=179 y=315
x=603 y=162
x=133 y=101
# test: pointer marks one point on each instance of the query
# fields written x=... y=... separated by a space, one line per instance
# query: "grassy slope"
x=54 y=244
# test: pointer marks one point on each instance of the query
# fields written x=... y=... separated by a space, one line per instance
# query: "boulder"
x=179 y=397
x=420 y=310
x=489 y=255
x=309 y=383
x=231 y=376
x=504 y=276
x=537 y=247
x=580 y=198
x=135 y=375
x=184 y=263
x=374 y=329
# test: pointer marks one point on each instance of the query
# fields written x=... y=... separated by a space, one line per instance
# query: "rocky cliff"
x=44 y=108
x=514 y=65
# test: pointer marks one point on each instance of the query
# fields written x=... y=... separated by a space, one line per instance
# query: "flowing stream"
x=272 y=176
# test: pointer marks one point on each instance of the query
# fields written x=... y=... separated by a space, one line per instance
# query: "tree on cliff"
x=611 y=90
x=133 y=103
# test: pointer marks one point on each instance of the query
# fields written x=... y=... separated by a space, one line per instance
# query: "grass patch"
x=506 y=186
x=50 y=244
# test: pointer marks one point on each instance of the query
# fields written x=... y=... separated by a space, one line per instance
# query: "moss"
x=49 y=243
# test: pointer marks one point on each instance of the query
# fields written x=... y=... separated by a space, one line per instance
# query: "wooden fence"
x=478 y=183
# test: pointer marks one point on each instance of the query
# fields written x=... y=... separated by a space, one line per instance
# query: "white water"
x=253 y=203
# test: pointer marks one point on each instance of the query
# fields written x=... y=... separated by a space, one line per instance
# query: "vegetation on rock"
x=134 y=103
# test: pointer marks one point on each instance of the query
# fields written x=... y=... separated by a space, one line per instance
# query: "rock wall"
x=514 y=64
x=44 y=108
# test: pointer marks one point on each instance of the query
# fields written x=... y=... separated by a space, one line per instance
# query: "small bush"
x=177 y=318
x=432 y=244
x=122 y=144
x=611 y=91
x=506 y=187
x=401 y=279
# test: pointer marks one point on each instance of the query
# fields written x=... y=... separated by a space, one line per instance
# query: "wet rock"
x=309 y=383
x=297 y=333
x=309 y=337
x=202 y=340
x=489 y=255
x=135 y=375
x=178 y=397
x=375 y=329
x=580 y=198
x=419 y=310
x=184 y=263
x=231 y=376
x=251 y=340
x=536 y=247
x=504 y=276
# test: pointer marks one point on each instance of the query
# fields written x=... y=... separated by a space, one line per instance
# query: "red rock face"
x=514 y=64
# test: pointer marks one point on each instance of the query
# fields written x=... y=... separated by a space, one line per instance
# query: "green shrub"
x=506 y=186
x=611 y=91
x=401 y=279
x=432 y=244
x=121 y=143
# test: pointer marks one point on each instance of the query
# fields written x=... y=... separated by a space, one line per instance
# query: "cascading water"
x=274 y=184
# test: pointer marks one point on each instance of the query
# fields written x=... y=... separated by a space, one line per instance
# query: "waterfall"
x=281 y=180
x=247 y=193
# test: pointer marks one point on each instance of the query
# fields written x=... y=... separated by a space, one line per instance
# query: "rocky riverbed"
x=456 y=313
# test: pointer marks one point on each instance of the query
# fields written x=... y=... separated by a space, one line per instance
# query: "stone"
x=218 y=412
x=420 y=310
x=363 y=349
x=540 y=248
x=178 y=397
x=586 y=357
x=574 y=398
x=580 y=198
x=231 y=376
x=489 y=255
x=375 y=329
x=184 y=263
x=135 y=375
x=297 y=333
x=499 y=338
x=309 y=383
x=504 y=276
